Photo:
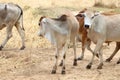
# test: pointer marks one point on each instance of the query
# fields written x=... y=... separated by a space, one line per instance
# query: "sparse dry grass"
x=33 y=63
x=33 y=9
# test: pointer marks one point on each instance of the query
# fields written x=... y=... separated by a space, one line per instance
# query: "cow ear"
x=42 y=17
x=96 y=13
x=80 y=15
x=85 y=9
x=63 y=17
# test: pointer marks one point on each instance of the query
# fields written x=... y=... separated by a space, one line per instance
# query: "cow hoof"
x=22 y=48
x=99 y=67
x=79 y=58
x=118 y=62
x=63 y=72
x=88 y=67
x=75 y=64
x=53 y=72
x=1 y=48
x=61 y=64
x=97 y=55
x=107 y=60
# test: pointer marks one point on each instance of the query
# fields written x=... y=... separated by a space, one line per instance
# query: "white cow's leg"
x=63 y=57
x=65 y=48
x=56 y=61
x=75 y=59
x=22 y=35
x=97 y=48
x=115 y=51
x=8 y=36
x=88 y=46
x=61 y=63
x=101 y=59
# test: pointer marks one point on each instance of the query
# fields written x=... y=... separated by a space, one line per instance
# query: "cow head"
x=88 y=18
x=48 y=25
x=41 y=23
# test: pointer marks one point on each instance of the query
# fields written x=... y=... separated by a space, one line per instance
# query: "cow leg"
x=118 y=62
x=88 y=46
x=8 y=36
x=65 y=48
x=75 y=59
x=101 y=60
x=22 y=35
x=56 y=61
x=97 y=48
x=63 y=65
x=64 y=56
x=115 y=51
x=83 y=48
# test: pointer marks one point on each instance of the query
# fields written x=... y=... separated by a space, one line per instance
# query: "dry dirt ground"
x=37 y=63
x=37 y=60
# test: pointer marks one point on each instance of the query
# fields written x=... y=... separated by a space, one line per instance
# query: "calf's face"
x=41 y=24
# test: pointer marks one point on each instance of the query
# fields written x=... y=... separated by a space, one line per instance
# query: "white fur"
x=103 y=28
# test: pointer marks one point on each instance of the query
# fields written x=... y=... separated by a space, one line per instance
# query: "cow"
x=11 y=15
x=101 y=28
x=60 y=32
x=86 y=42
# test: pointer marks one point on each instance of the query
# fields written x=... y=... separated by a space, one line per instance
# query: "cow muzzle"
x=87 y=26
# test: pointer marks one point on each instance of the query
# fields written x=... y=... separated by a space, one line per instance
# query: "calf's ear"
x=63 y=17
x=41 y=18
x=82 y=11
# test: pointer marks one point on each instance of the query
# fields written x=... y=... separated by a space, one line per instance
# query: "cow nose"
x=86 y=26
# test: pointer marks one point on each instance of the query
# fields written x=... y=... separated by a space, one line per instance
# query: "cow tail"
x=21 y=16
x=5 y=7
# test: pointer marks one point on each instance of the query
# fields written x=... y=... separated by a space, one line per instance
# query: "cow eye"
x=92 y=17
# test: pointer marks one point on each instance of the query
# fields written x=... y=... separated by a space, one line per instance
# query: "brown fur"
x=61 y=18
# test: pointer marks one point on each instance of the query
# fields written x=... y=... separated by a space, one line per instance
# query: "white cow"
x=60 y=31
x=101 y=28
x=11 y=15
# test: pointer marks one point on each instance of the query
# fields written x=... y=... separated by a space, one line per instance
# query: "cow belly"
x=113 y=34
x=113 y=37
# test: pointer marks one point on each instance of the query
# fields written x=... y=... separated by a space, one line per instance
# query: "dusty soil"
x=36 y=64
x=37 y=60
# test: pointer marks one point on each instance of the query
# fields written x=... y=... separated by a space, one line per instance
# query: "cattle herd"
x=89 y=26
